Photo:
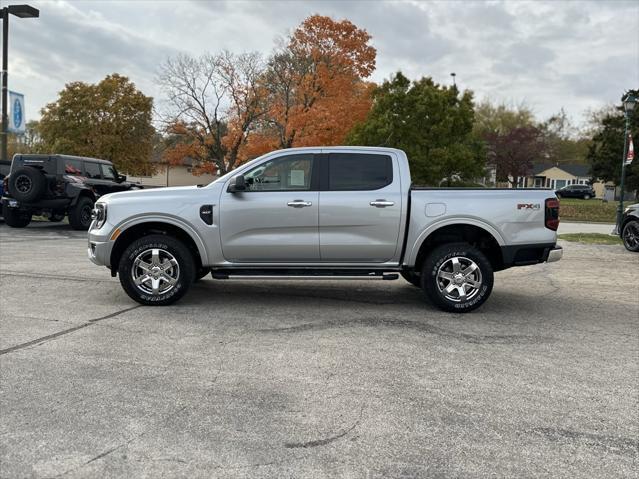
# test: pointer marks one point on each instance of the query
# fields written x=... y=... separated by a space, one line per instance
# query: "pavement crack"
x=327 y=440
x=51 y=276
x=50 y=337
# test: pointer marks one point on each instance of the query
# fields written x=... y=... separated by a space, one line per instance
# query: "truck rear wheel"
x=156 y=270
x=457 y=277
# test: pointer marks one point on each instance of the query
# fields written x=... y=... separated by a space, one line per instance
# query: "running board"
x=304 y=273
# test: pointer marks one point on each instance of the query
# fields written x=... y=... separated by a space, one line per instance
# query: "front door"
x=276 y=218
x=360 y=208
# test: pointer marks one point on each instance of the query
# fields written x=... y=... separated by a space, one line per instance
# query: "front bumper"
x=555 y=254
x=99 y=248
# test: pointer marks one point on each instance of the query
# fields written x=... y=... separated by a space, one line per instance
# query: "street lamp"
x=629 y=103
x=20 y=11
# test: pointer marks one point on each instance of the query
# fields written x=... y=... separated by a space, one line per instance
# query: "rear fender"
x=411 y=257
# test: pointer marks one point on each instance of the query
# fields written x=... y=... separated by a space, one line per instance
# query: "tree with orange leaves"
x=316 y=86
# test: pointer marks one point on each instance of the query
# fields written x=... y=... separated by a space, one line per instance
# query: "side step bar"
x=302 y=273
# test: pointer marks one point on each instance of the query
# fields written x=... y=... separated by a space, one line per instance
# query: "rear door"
x=276 y=219
x=360 y=208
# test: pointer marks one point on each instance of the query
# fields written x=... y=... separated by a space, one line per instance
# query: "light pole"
x=20 y=11
x=453 y=74
x=628 y=105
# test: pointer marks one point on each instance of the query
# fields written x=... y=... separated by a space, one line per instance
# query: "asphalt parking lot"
x=323 y=378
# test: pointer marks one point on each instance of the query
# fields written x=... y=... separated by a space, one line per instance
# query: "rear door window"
x=108 y=172
x=358 y=171
x=72 y=167
x=92 y=170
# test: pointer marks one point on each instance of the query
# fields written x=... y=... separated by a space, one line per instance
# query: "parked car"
x=576 y=191
x=630 y=228
x=57 y=186
x=339 y=211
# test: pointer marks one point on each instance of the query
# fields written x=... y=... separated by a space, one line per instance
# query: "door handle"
x=299 y=203
x=381 y=203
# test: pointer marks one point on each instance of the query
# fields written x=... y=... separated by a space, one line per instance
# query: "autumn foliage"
x=226 y=108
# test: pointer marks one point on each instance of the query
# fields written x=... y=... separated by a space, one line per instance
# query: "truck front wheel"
x=156 y=270
x=457 y=277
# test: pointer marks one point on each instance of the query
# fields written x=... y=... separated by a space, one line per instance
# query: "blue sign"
x=16 y=116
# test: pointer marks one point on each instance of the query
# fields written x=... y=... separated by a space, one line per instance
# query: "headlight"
x=99 y=215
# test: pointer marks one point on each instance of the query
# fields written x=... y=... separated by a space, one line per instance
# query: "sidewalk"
x=566 y=227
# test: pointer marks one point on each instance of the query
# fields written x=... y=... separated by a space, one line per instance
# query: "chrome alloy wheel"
x=155 y=271
x=459 y=279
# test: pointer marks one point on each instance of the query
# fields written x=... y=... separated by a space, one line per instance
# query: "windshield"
x=231 y=173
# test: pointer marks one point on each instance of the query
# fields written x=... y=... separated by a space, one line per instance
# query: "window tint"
x=92 y=170
x=355 y=171
x=108 y=172
x=281 y=174
x=72 y=167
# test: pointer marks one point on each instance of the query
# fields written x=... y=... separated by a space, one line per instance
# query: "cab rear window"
x=45 y=163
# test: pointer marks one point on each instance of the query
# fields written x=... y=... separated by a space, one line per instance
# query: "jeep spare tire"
x=27 y=184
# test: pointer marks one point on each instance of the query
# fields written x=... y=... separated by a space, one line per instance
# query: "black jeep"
x=58 y=185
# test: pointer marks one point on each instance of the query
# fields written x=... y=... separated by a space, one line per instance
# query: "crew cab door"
x=276 y=218
x=360 y=208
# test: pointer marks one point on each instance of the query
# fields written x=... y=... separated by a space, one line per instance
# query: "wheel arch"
x=83 y=193
x=136 y=229
x=483 y=236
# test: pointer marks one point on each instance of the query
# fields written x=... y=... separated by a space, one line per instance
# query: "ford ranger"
x=338 y=211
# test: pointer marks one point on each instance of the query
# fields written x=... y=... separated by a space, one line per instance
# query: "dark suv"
x=58 y=185
x=576 y=191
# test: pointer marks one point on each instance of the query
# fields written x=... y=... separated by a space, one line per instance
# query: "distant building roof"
x=575 y=169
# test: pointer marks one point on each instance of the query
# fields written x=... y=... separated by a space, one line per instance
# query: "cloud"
x=575 y=54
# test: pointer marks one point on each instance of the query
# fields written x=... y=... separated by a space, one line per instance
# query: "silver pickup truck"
x=339 y=211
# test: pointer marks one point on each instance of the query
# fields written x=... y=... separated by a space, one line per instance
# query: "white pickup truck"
x=339 y=211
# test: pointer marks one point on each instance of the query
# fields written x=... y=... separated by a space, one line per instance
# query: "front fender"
x=412 y=252
x=168 y=219
x=75 y=191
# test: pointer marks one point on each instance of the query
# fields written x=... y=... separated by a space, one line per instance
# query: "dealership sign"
x=16 y=113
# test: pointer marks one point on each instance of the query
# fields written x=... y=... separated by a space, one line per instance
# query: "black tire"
x=15 y=218
x=80 y=214
x=442 y=258
x=27 y=184
x=56 y=216
x=630 y=235
x=412 y=277
x=167 y=246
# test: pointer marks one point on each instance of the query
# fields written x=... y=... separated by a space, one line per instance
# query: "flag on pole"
x=631 y=151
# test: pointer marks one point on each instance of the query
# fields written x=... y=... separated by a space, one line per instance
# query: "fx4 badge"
x=528 y=206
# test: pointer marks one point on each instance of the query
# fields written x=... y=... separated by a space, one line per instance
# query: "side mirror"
x=237 y=184
x=121 y=178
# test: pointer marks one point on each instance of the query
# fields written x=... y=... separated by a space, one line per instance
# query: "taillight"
x=5 y=184
x=552 y=214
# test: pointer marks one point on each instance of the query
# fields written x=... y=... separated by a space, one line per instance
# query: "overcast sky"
x=577 y=54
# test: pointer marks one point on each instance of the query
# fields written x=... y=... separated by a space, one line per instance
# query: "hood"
x=164 y=193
